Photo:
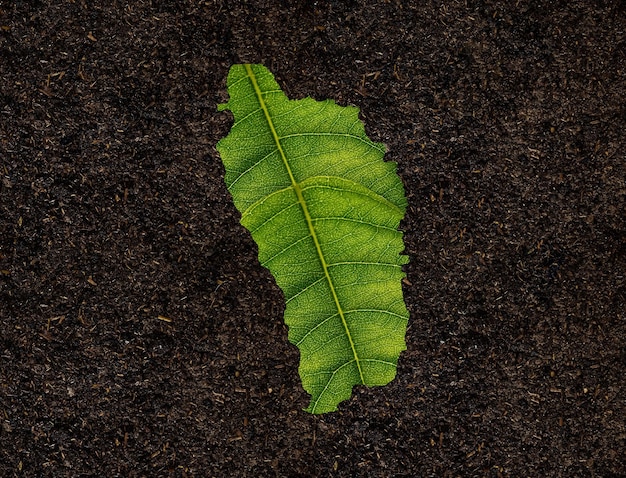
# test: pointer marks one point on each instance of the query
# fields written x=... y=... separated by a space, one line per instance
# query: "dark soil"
x=139 y=336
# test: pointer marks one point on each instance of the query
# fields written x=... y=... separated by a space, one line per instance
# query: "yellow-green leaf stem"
x=324 y=209
x=307 y=215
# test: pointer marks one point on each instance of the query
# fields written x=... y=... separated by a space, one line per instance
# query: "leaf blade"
x=324 y=209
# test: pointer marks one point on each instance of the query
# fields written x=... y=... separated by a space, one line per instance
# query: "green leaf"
x=324 y=209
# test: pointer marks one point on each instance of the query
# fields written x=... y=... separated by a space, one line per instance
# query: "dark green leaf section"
x=324 y=209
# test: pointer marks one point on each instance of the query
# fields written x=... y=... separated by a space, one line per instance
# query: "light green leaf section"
x=324 y=209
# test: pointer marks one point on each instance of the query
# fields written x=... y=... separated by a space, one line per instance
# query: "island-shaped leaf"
x=324 y=208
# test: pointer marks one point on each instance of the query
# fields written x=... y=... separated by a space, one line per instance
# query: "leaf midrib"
x=307 y=215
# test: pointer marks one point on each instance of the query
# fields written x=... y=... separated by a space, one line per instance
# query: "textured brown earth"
x=139 y=336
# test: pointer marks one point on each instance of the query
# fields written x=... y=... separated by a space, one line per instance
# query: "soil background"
x=139 y=336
